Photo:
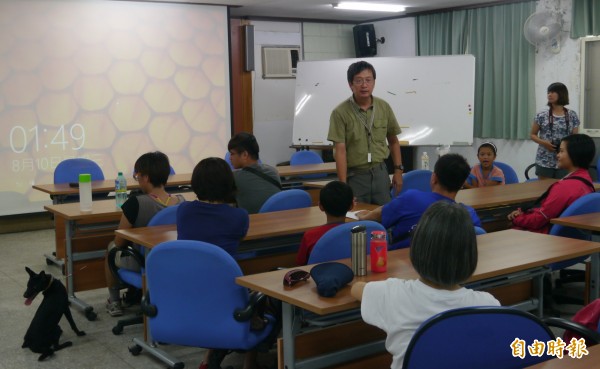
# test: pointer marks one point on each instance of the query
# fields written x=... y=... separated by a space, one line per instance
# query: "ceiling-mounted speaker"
x=365 y=43
x=248 y=48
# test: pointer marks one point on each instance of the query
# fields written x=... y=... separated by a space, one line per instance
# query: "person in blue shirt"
x=211 y=218
x=403 y=213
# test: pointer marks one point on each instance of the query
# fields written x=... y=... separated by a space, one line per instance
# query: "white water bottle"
x=425 y=161
x=85 y=193
x=120 y=189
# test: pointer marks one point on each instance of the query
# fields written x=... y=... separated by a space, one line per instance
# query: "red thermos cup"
x=378 y=251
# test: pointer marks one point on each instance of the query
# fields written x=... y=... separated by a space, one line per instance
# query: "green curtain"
x=585 y=20
x=504 y=62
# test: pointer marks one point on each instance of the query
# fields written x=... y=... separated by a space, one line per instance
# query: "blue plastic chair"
x=476 y=337
x=479 y=230
x=589 y=203
x=128 y=277
x=286 y=200
x=335 y=243
x=228 y=159
x=510 y=176
x=307 y=157
x=192 y=298
x=68 y=171
x=419 y=179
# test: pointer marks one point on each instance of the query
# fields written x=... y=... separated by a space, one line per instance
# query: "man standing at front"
x=359 y=128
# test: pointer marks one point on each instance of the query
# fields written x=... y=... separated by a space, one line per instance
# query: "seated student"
x=151 y=170
x=256 y=182
x=211 y=218
x=575 y=154
x=404 y=211
x=335 y=199
x=444 y=253
x=485 y=173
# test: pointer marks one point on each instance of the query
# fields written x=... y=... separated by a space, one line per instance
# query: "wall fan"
x=543 y=28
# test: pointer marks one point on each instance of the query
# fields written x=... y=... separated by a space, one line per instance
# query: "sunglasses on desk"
x=294 y=276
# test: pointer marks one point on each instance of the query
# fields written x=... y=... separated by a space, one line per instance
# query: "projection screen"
x=108 y=81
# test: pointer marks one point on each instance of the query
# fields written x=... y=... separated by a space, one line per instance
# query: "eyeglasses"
x=294 y=276
x=136 y=177
x=359 y=82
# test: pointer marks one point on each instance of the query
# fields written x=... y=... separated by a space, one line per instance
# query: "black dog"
x=44 y=332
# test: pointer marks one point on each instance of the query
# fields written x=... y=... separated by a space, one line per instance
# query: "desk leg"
x=289 y=341
x=595 y=277
x=80 y=304
x=50 y=258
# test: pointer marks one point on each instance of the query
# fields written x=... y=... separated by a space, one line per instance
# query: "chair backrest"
x=418 y=179
x=479 y=230
x=167 y=215
x=589 y=203
x=286 y=200
x=192 y=284
x=478 y=337
x=68 y=170
x=307 y=157
x=510 y=176
x=527 y=170
x=335 y=243
x=228 y=159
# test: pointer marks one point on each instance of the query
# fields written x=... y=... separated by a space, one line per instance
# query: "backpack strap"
x=263 y=176
x=545 y=194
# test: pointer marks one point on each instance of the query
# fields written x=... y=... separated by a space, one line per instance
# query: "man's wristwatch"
x=399 y=167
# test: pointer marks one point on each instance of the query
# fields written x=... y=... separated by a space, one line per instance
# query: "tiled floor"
x=99 y=348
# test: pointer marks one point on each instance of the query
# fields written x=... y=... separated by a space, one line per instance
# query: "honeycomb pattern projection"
x=109 y=81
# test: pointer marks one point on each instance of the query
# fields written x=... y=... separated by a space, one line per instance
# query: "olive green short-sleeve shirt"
x=347 y=125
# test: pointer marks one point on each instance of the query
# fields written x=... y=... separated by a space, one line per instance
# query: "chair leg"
x=118 y=329
x=216 y=357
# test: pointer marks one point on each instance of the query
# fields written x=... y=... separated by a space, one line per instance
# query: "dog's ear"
x=30 y=272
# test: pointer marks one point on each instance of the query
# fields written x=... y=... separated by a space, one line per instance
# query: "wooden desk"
x=60 y=190
x=503 y=254
x=298 y=170
x=262 y=225
x=63 y=189
x=589 y=222
x=592 y=360
x=81 y=240
x=492 y=203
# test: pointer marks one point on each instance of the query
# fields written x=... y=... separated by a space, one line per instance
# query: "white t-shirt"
x=399 y=306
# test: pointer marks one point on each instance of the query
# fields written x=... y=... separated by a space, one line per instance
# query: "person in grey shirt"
x=255 y=182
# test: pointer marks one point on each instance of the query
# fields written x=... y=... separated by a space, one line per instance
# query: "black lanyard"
x=551 y=121
x=369 y=127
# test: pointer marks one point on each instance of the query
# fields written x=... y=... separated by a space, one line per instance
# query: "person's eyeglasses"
x=359 y=82
x=136 y=177
x=294 y=276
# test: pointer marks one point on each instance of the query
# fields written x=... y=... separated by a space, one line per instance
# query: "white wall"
x=273 y=126
x=400 y=37
x=549 y=67
x=273 y=99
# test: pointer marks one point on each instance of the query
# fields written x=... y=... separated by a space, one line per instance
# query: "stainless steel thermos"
x=359 y=250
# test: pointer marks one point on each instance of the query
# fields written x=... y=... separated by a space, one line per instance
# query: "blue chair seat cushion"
x=331 y=277
x=131 y=278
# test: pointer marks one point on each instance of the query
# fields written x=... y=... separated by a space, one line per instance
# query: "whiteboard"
x=431 y=96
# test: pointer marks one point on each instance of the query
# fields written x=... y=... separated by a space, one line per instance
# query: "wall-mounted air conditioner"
x=280 y=61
